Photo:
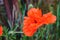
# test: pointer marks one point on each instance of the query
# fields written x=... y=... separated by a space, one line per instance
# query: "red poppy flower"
x=35 y=19
x=1 y=30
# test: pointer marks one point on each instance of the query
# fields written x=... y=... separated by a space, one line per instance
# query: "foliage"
x=13 y=27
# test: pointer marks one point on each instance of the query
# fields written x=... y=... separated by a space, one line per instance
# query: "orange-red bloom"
x=35 y=19
x=1 y=30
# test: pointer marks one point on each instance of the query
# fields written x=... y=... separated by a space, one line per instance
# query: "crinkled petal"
x=28 y=21
x=49 y=18
x=30 y=30
x=34 y=13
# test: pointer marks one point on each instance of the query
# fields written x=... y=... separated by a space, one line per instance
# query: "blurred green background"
x=12 y=13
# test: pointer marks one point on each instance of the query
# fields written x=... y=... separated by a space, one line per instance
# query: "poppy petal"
x=49 y=18
x=34 y=13
x=30 y=30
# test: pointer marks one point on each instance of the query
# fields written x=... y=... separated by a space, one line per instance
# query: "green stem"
x=58 y=14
